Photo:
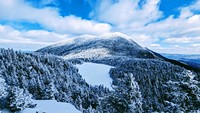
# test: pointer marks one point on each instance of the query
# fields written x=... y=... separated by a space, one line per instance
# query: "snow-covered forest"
x=139 y=85
x=161 y=84
x=32 y=76
x=139 y=80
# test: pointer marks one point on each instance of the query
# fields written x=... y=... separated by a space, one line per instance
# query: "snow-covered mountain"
x=105 y=74
x=142 y=80
x=110 y=49
x=91 y=47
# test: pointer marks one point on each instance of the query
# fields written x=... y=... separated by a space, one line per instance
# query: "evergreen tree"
x=125 y=99
x=3 y=92
x=19 y=99
x=50 y=91
x=182 y=96
x=78 y=102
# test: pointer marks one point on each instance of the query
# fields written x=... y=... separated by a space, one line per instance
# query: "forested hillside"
x=163 y=86
x=143 y=81
x=24 y=77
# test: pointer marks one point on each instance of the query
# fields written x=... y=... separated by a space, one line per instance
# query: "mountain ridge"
x=96 y=48
x=115 y=44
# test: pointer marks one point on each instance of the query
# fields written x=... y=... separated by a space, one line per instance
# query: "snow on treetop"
x=87 y=37
x=89 y=53
x=73 y=40
x=115 y=34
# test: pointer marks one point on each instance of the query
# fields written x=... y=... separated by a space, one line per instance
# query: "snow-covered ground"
x=86 y=38
x=92 y=53
x=96 y=74
x=49 y=106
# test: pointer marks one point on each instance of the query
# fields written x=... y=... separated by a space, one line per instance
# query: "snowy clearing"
x=96 y=74
x=49 y=106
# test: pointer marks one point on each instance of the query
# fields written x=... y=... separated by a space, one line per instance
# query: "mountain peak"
x=87 y=37
x=96 y=47
x=115 y=34
x=108 y=35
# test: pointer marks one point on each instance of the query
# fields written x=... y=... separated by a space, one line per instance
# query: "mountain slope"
x=90 y=47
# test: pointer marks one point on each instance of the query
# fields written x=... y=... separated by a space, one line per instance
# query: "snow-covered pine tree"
x=3 y=92
x=78 y=102
x=133 y=94
x=183 y=96
x=19 y=99
x=125 y=99
x=40 y=75
x=50 y=90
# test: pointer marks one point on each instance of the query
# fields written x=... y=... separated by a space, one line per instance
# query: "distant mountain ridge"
x=192 y=60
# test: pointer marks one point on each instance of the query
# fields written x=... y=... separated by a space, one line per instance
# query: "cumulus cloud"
x=177 y=49
x=141 y=23
x=27 y=40
x=18 y=10
x=144 y=40
x=128 y=17
x=128 y=11
x=183 y=40
x=195 y=45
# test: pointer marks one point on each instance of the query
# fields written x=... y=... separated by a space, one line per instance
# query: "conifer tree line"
x=139 y=85
x=24 y=77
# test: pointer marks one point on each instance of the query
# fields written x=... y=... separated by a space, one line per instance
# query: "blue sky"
x=167 y=26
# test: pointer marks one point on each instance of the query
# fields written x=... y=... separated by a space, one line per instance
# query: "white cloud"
x=183 y=40
x=178 y=49
x=27 y=40
x=17 y=10
x=124 y=12
x=141 y=23
x=155 y=45
x=142 y=39
x=130 y=18
x=43 y=36
x=195 y=45
x=195 y=6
